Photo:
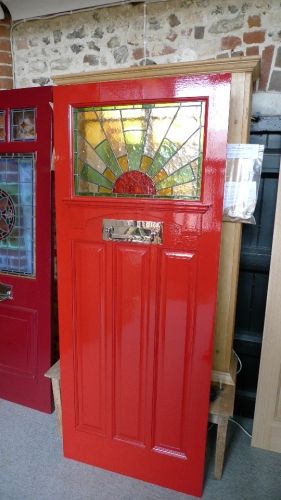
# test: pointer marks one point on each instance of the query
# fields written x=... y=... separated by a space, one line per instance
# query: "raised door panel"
x=177 y=292
x=90 y=342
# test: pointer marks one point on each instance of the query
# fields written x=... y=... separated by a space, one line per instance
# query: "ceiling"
x=27 y=9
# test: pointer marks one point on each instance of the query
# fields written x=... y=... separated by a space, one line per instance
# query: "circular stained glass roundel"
x=7 y=214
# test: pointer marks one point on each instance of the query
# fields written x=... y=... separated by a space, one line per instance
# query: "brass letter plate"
x=133 y=231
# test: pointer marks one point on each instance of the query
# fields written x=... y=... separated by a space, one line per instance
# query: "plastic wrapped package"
x=243 y=174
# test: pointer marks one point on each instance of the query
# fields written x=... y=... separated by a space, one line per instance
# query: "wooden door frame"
x=244 y=70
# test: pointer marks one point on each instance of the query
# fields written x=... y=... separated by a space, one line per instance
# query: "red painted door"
x=139 y=177
x=25 y=246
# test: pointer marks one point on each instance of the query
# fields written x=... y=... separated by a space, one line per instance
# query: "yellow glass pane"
x=123 y=162
x=109 y=175
x=90 y=128
x=165 y=192
x=145 y=163
x=160 y=176
x=104 y=190
x=184 y=190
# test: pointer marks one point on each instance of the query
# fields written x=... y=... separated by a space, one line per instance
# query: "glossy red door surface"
x=25 y=247
x=137 y=320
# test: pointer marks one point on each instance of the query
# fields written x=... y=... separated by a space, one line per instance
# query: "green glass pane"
x=134 y=144
x=106 y=154
x=163 y=155
x=88 y=174
x=185 y=174
x=87 y=154
x=158 y=125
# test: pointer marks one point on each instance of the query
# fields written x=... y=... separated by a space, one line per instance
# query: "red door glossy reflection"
x=136 y=320
x=25 y=253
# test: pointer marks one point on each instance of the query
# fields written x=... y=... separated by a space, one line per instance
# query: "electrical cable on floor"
x=239 y=361
x=240 y=426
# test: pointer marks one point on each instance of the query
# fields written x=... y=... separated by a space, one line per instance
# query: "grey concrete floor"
x=32 y=467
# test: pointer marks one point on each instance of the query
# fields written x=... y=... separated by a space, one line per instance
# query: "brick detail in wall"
x=230 y=42
x=6 y=68
x=254 y=21
x=252 y=51
x=254 y=37
x=266 y=62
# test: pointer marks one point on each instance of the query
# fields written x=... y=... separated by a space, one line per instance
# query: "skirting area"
x=32 y=467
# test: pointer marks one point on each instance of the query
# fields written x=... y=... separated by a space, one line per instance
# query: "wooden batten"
x=248 y=64
x=244 y=70
x=267 y=419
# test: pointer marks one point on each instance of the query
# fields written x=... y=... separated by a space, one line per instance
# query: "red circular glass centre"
x=134 y=182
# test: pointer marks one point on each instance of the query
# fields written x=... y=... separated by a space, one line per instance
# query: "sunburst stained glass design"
x=151 y=150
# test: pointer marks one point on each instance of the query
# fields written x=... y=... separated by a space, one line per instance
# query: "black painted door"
x=254 y=265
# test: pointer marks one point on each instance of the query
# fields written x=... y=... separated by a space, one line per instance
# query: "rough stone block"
x=254 y=37
x=230 y=42
x=237 y=53
x=147 y=62
x=233 y=9
x=113 y=42
x=91 y=59
x=121 y=54
x=41 y=81
x=199 y=32
x=98 y=33
x=57 y=34
x=227 y=25
x=76 y=48
x=154 y=24
x=275 y=81
x=93 y=46
x=79 y=33
x=139 y=53
x=172 y=36
x=174 y=20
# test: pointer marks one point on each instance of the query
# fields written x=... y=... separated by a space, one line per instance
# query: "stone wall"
x=163 y=32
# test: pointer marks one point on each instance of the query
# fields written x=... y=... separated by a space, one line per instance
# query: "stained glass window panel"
x=2 y=126
x=153 y=150
x=17 y=214
x=23 y=124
